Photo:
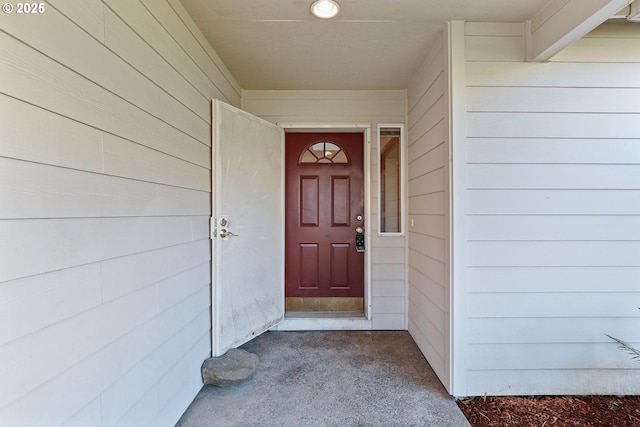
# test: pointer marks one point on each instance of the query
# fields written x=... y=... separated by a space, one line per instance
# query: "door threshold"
x=324 y=321
x=324 y=315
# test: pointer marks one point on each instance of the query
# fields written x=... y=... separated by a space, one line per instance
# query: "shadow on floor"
x=345 y=378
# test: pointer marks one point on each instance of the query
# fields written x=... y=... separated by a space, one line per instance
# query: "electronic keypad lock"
x=359 y=239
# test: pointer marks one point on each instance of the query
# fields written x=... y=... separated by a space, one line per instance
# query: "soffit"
x=372 y=44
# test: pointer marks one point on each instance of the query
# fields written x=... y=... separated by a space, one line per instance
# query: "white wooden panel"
x=494 y=29
x=561 y=202
x=75 y=241
x=25 y=366
x=428 y=121
x=388 y=305
x=142 y=412
x=610 y=50
x=62 y=39
x=546 y=13
x=87 y=14
x=335 y=95
x=553 y=382
x=428 y=183
x=570 y=304
x=123 y=158
x=426 y=142
x=128 y=45
x=215 y=70
x=429 y=246
x=43 y=82
x=389 y=322
x=434 y=159
x=387 y=256
x=190 y=382
x=332 y=119
x=554 y=279
x=428 y=267
x=180 y=201
x=387 y=272
x=142 y=22
x=550 y=100
x=554 y=74
x=436 y=292
x=569 y=253
x=435 y=92
x=550 y=151
x=575 y=330
x=489 y=48
x=175 y=288
x=568 y=227
x=120 y=396
x=549 y=356
x=31 y=190
x=322 y=108
x=427 y=204
x=150 y=267
x=187 y=20
x=436 y=317
x=186 y=368
x=89 y=415
x=386 y=241
x=541 y=125
x=554 y=176
x=427 y=348
x=91 y=375
x=51 y=298
x=387 y=288
x=429 y=225
x=31 y=133
x=615 y=29
x=421 y=325
x=431 y=68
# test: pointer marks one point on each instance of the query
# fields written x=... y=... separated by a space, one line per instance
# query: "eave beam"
x=561 y=22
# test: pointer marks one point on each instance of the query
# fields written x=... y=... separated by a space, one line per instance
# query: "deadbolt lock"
x=359 y=217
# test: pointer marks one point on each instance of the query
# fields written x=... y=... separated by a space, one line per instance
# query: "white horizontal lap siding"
x=388 y=258
x=104 y=206
x=553 y=213
x=428 y=260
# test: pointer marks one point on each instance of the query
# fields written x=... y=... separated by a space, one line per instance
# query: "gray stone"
x=234 y=366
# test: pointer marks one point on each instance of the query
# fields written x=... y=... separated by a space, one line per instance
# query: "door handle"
x=224 y=233
x=360 y=239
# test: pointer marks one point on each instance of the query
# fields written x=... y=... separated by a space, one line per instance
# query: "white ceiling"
x=371 y=44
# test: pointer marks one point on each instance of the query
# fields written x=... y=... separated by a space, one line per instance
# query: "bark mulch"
x=552 y=411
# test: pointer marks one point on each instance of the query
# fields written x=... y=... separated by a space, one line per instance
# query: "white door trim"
x=340 y=323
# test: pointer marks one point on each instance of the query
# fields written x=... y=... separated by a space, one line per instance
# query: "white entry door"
x=247 y=228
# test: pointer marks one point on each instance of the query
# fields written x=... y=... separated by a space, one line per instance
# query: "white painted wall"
x=552 y=223
x=104 y=205
x=388 y=253
x=428 y=259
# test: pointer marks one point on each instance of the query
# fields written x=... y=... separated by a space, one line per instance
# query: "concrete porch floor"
x=336 y=378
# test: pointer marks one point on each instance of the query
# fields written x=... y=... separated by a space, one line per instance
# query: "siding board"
x=62 y=39
x=428 y=194
x=43 y=82
x=213 y=68
x=552 y=247
x=31 y=133
x=105 y=191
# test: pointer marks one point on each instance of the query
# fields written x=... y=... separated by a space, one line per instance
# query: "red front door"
x=324 y=206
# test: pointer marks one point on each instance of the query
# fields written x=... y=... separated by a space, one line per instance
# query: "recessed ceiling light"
x=325 y=9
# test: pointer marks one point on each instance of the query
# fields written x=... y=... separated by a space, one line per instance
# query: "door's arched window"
x=324 y=152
